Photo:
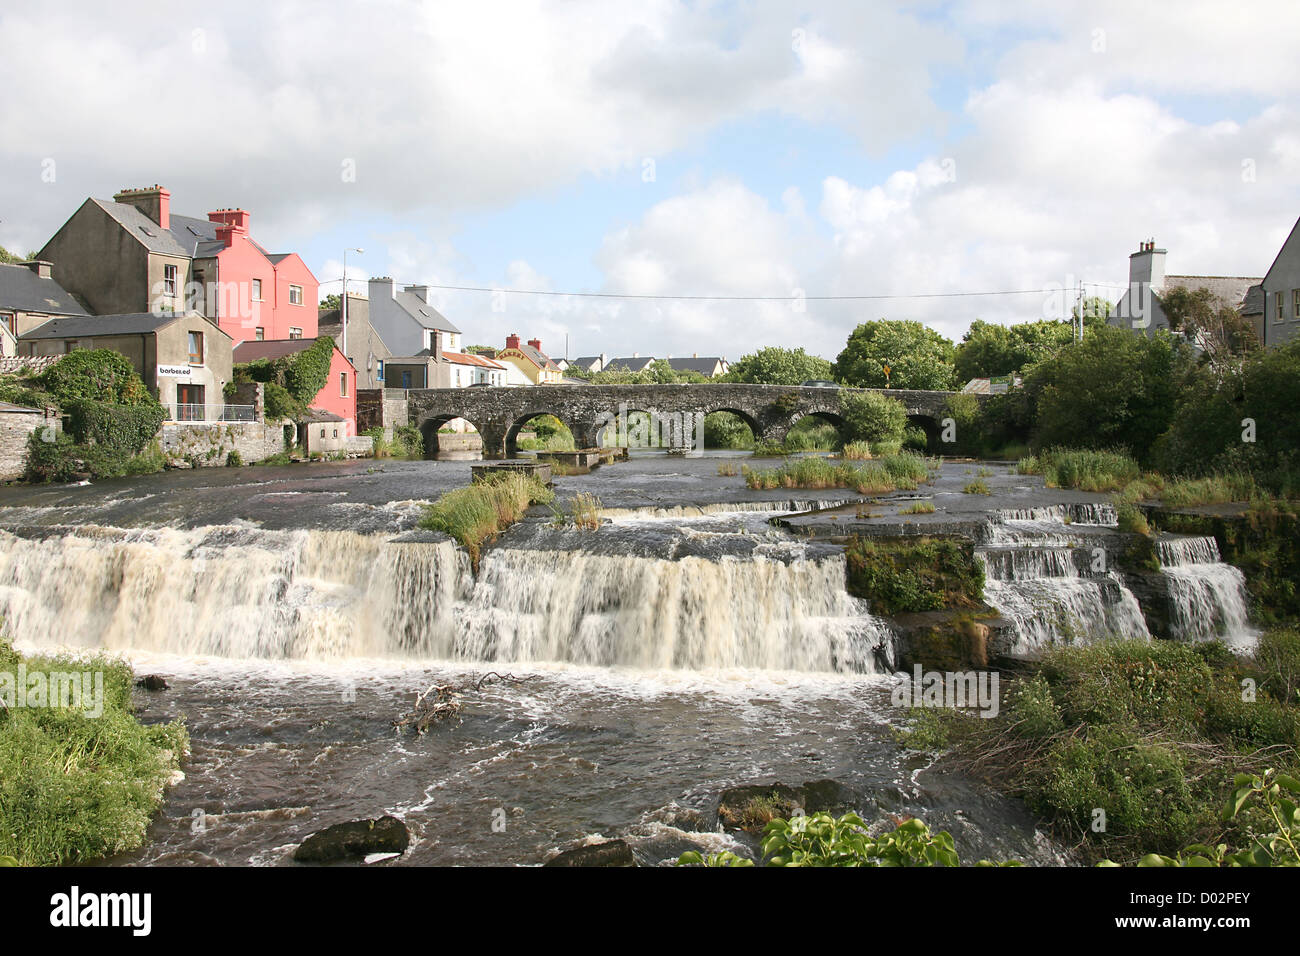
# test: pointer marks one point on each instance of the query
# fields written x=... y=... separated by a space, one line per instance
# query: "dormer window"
x=169 y=280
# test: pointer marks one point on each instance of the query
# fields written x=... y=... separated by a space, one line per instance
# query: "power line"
x=740 y=298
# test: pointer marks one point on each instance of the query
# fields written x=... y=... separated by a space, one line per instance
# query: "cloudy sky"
x=763 y=149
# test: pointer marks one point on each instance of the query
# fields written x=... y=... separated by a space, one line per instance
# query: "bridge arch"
x=430 y=426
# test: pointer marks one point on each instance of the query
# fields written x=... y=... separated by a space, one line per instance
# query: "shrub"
x=409 y=440
x=75 y=787
x=234 y=459
x=977 y=487
x=100 y=375
x=1034 y=710
x=126 y=429
x=1278 y=656
x=913 y=574
x=872 y=417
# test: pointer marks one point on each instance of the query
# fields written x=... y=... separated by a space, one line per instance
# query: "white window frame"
x=295 y=295
x=257 y=290
x=171 y=278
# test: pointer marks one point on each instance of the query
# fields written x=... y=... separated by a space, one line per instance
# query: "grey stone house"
x=1140 y=309
x=366 y=349
x=1281 y=292
x=184 y=358
x=406 y=321
x=29 y=297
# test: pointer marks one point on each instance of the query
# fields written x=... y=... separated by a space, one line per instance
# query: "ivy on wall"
x=292 y=381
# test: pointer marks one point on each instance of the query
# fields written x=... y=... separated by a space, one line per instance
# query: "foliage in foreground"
x=913 y=574
x=479 y=512
x=75 y=787
x=1129 y=747
x=820 y=839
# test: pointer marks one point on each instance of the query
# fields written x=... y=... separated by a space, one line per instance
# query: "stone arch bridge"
x=770 y=410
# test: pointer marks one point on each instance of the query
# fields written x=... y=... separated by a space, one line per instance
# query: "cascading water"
x=1207 y=598
x=683 y=595
x=1053 y=584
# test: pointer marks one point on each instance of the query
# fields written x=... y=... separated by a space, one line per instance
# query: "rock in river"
x=358 y=838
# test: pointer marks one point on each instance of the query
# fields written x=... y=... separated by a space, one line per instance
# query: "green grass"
x=898 y=575
x=75 y=787
x=1083 y=470
x=891 y=473
x=977 y=487
x=479 y=512
x=918 y=508
x=1150 y=732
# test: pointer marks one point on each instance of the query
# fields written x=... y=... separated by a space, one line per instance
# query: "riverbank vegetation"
x=477 y=513
x=112 y=419
x=407 y=442
x=888 y=473
x=1126 y=748
x=899 y=575
x=74 y=787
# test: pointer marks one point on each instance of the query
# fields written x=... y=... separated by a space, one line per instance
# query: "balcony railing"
x=178 y=412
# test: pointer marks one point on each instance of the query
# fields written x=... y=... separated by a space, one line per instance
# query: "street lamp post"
x=343 y=304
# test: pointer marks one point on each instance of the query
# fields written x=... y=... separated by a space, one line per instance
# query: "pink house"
x=339 y=396
x=134 y=255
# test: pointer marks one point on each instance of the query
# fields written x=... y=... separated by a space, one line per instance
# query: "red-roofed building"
x=133 y=255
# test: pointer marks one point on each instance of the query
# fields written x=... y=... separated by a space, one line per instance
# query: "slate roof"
x=9 y=407
x=540 y=359
x=1230 y=289
x=705 y=366
x=631 y=363
x=587 y=362
x=145 y=230
x=22 y=290
x=422 y=312
x=1254 y=302
x=89 y=326
x=251 y=351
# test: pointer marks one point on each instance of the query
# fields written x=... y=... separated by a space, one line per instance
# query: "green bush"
x=872 y=417
x=1033 y=709
x=125 y=428
x=897 y=575
x=408 y=441
x=75 y=787
x=99 y=375
x=1278 y=656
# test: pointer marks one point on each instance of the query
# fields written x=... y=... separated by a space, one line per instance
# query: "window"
x=295 y=295
x=169 y=280
x=257 y=290
x=1277 y=297
x=260 y=334
x=406 y=380
x=7 y=320
x=381 y=370
x=70 y=345
x=196 y=348
x=1295 y=303
x=343 y=384
x=295 y=333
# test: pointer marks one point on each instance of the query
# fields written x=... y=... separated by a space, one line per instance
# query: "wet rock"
x=357 y=838
x=609 y=853
x=151 y=682
x=753 y=807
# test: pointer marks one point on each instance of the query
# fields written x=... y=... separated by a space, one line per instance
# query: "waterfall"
x=1041 y=576
x=245 y=592
x=1207 y=598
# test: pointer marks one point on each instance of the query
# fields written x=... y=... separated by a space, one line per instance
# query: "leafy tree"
x=1211 y=323
x=1240 y=419
x=778 y=366
x=1113 y=389
x=915 y=355
x=7 y=257
x=872 y=417
x=988 y=349
x=332 y=301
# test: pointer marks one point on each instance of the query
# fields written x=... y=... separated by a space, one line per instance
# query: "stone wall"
x=208 y=445
x=15 y=429
x=381 y=408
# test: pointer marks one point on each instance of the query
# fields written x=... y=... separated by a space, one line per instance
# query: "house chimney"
x=512 y=340
x=695 y=355
x=437 y=344
x=536 y=343
x=421 y=292
x=230 y=223
x=154 y=201
x=636 y=354
x=40 y=267
x=1147 y=266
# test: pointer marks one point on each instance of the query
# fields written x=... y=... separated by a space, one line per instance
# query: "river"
x=686 y=646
